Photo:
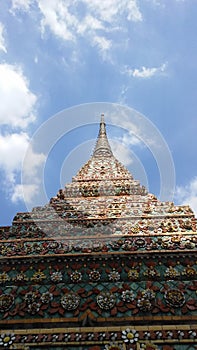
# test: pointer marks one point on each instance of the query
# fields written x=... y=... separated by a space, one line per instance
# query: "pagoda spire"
x=102 y=147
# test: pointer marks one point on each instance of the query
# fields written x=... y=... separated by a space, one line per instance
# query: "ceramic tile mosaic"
x=104 y=265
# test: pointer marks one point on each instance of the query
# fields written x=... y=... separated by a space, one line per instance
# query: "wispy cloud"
x=17 y=109
x=103 y=45
x=16 y=113
x=17 y=143
x=188 y=194
x=121 y=152
x=123 y=94
x=156 y=2
x=21 y=5
x=31 y=180
x=2 y=39
x=161 y=2
x=92 y=20
x=145 y=72
x=11 y=164
x=109 y=10
x=24 y=191
x=57 y=17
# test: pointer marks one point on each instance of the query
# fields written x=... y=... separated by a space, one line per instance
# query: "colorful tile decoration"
x=103 y=266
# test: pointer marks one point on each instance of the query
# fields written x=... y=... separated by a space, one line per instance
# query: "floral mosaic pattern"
x=140 y=298
x=125 y=339
x=6 y=301
x=174 y=297
x=151 y=243
x=6 y=339
x=130 y=336
x=70 y=301
x=76 y=276
x=127 y=296
x=106 y=300
x=56 y=276
x=94 y=275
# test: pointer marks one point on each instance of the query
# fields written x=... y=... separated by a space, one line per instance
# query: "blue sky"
x=57 y=54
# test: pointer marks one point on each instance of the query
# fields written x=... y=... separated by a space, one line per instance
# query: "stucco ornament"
x=106 y=300
x=7 y=339
x=130 y=336
x=70 y=301
x=174 y=297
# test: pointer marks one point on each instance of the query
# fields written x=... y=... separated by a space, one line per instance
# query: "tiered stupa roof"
x=102 y=199
x=103 y=252
x=104 y=193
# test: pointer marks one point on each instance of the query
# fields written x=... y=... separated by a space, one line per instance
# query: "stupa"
x=104 y=265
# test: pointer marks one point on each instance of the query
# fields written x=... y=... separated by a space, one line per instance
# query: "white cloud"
x=122 y=153
x=144 y=72
x=134 y=13
x=21 y=5
x=89 y=22
x=17 y=109
x=102 y=44
x=129 y=139
x=57 y=17
x=121 y=145
x=32 y=162
x=123 y=95
x=156 y=2
x=13 y=148
x=2 y=39
x=187 y=195
x=17 y=112
x=67 y=21
x=109 y=10
x=132 y=136
x=24 y=191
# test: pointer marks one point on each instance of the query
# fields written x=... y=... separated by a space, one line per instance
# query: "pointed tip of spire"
x=102 y=118
x=102 y=145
